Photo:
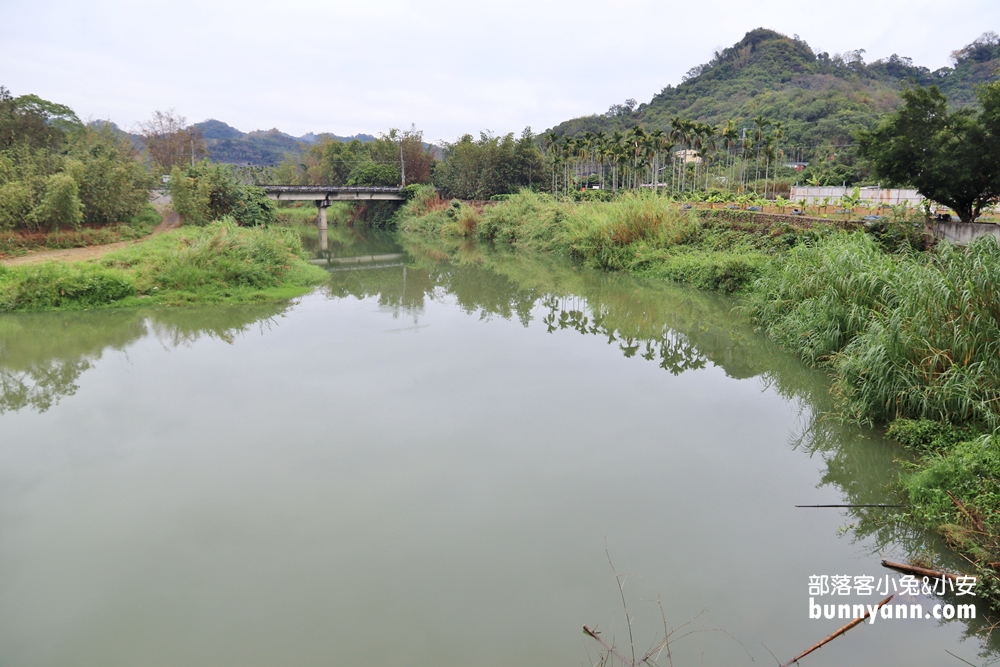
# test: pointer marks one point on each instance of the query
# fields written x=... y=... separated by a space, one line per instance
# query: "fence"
x=874 y=195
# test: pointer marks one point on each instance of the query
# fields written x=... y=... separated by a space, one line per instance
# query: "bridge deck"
x=328 y=193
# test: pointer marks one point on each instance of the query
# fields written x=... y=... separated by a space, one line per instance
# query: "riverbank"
x=219 y=263
x=719 y=250
x=910 y=336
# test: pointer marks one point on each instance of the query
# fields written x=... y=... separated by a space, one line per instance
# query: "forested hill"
x=227 y=144
x=820 y=99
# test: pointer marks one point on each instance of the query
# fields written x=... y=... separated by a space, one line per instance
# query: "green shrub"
x=719 y=272
x=927 y=436
x=413 y=190
x=62 y=285
x=15 y=204
x=591 y=194
x=61 y=203
x=207 y=192
x=113 y=185
x=146 y=218
x=371 y=173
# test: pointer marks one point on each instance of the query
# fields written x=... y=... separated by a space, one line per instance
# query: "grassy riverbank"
x=640 y=234
x=910 y=337
x=218 y=263
x=912 y=340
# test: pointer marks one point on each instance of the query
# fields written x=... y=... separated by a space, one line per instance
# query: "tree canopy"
x=491 y=165
x=55 y=172
x=330 y=161
x=951 y=157
x=29 y=120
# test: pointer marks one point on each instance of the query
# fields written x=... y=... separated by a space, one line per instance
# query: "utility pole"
x=402 y=162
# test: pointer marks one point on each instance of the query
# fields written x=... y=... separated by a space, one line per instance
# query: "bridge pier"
x=321 y=217
x=321 y=224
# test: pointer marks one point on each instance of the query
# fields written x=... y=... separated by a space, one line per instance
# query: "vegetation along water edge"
x=221 y=262
x=909 y=331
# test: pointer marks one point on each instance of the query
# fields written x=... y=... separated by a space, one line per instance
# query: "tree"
x=492 y=165
x=114 y=186
x=729 y=135
x=31 y=121
x=403 y=149
x=206 y=192
x=170 y=142
x=952 y=158
x=372 y=173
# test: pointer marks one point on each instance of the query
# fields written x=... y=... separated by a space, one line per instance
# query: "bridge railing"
x=330 y=188
x=328 y=193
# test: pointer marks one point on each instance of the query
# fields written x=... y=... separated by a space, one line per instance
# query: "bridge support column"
x=324 y=240
x=321 y=218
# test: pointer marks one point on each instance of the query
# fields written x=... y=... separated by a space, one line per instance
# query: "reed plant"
x=814 y=299
x=936 y=353
x=908 y=334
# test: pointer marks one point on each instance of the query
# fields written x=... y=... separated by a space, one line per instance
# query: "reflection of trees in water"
x=43 y=355
x=684 y=329
x=40 y=386
x=675 y=352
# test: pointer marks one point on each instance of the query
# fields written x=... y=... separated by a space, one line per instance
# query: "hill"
x=821 y=100
x=261 y=147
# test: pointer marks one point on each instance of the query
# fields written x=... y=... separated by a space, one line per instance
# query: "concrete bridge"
x=324 y=195
x=331 y=193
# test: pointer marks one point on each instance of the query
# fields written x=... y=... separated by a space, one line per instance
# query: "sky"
x=444 y=66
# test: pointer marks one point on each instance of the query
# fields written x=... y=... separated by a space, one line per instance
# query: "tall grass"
x=222 y=255
x=814 y=299
x=936 y=353
x=221 y=262
x=637 y=232
x=907 y=335
x=52 y=285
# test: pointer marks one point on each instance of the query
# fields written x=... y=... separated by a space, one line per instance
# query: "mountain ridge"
x=770 y=74
x=227 y=144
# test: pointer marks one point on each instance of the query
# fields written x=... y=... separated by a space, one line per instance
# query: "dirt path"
x=171 y=220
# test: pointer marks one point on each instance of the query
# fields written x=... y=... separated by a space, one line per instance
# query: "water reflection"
x=676 y=329
x=680 y=330
x=43 y=355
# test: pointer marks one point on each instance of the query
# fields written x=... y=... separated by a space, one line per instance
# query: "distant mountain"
x=820 y=99
x=261 y=147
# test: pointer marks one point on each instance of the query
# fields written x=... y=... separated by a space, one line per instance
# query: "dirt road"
x=171 y=220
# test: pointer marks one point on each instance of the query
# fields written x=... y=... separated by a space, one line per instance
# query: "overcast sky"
x=448 y=67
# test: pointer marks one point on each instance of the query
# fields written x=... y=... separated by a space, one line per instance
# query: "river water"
x=431 y=461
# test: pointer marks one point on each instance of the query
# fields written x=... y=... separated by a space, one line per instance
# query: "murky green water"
x=423 y=463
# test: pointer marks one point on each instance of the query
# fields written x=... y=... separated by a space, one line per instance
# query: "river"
x=431 y=460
